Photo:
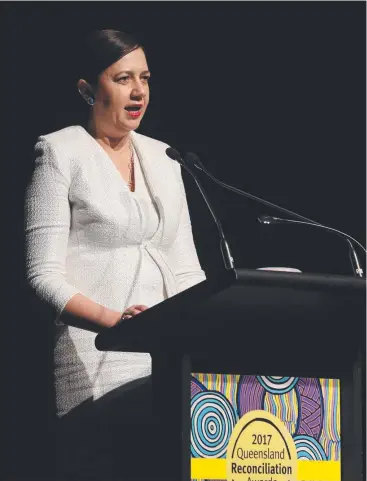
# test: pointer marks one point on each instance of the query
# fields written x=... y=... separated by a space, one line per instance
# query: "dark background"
x=270 y=95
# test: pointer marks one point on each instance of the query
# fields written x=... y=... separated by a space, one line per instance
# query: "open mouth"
x=133 y=108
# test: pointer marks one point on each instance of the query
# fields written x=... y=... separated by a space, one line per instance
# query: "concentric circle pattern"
x=277 y=384
x=308 y=448
x=212 y=421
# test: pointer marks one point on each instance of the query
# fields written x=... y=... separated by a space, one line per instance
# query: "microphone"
x=226 y=253
x=266 y=219
x=193 y=161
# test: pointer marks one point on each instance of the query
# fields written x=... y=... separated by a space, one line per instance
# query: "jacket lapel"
x=163 y=184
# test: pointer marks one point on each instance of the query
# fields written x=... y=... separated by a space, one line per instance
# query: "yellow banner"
x=307 y=470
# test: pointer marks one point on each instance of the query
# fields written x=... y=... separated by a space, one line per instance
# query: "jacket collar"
x=161 y=179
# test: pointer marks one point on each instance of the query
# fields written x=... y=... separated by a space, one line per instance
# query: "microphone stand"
x=224 y=247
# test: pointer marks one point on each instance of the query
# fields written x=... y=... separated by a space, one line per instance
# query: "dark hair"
x=101 y=49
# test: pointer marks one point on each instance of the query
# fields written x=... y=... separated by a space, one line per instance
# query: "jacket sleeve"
x=47 y=225
x=183 y=256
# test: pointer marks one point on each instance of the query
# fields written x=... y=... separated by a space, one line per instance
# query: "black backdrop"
x=270 y=95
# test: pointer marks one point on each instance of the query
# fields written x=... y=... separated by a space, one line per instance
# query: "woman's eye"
x=123 y=79
x=146 y=78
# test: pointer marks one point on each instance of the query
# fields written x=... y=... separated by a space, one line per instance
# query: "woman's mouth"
x=134 y=111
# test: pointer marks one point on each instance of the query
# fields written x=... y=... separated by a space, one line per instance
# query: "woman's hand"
x=133 y=311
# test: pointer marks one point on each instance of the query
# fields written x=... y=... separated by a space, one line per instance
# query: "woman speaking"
x=108 y=235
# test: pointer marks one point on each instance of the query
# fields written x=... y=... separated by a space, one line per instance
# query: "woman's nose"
x=138 y=90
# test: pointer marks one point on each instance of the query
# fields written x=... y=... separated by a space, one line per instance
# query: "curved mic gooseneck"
x=266 y=219
x=192 y=160
x=226 y=252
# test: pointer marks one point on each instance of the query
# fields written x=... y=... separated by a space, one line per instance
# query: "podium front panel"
x=306 y=411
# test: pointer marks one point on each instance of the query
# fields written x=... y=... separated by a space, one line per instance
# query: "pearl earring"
x=90 y=101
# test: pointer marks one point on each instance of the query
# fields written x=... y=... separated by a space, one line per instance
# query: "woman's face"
x=122 y=95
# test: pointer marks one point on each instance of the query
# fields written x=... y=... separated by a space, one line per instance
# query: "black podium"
x=257 y=323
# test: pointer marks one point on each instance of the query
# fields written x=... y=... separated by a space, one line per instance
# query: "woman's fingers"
x=134 y=310
x=141 y=307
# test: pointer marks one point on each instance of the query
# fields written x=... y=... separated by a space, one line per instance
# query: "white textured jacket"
x=84 y=235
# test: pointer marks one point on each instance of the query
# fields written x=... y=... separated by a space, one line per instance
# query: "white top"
x=87 y=233
x=150 y=274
